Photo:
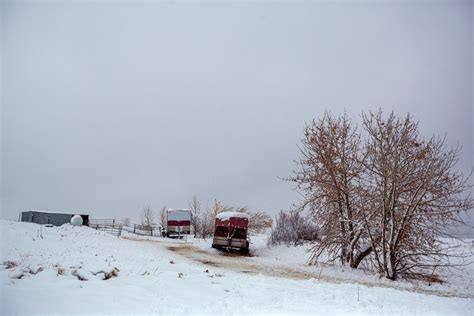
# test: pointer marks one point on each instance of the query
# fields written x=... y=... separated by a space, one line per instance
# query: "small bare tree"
x=204 y=224
x=202 y=219
x=292 y=228
x=195 y=207
x=219 y=207
x=162 y=219
x=126 y=222
x=259 y=222
x=148 y=217
x=205 y=221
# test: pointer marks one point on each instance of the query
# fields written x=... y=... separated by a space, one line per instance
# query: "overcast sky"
x=109 y=106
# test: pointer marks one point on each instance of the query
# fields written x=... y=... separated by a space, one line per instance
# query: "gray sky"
x=108 y=106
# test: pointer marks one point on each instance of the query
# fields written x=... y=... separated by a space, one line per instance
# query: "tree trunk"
x=360 y=256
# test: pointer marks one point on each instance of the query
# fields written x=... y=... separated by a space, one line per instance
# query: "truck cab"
x=230 y=231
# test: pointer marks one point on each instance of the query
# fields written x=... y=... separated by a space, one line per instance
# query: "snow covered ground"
x=459 y=282
x=42 y=272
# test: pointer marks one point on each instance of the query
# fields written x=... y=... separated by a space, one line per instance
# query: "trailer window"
x=221 y=231
x=240 y=233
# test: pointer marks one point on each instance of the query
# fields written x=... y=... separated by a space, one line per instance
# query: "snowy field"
x=71 y=270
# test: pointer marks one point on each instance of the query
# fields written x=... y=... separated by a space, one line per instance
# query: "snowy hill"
x=46 y=269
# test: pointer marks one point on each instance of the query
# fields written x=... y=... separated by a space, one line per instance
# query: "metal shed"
x=56 y=219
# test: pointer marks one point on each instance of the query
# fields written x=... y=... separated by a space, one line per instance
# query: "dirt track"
x=245 y=264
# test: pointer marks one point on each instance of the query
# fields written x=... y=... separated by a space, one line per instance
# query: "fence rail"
x=154 y=231
x=106 y=223
x=116 y=227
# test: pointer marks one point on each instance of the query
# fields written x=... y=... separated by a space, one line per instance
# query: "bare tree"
x=195 y=207
x=206 y=219
x=207 y=223
x=219 y=207
x=385 y=194
x=148 y=217
x=204 y=223
x=126 y=222
x=259 y=222
x=162 y=219
x=292 y=228
x=415 y=194
x=329 y=177
x=202 y=220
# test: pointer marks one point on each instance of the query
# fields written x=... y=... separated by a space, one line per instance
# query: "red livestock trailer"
x=230 y=231
x=178 y=223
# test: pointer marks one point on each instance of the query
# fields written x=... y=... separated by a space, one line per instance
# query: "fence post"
x=113 y=223
x=151 y=231
x=134 y=228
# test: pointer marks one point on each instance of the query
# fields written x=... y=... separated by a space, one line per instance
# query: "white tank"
x=76 y=220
